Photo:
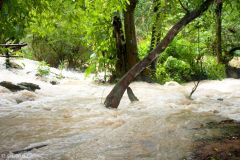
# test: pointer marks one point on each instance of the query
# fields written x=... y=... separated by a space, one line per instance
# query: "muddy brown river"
x=71 y=120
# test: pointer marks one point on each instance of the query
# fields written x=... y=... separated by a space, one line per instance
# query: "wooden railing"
x=14 y=48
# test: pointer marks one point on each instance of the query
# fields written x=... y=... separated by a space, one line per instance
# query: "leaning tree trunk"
x=114 y=97
x=130 y=34
x=218 y=13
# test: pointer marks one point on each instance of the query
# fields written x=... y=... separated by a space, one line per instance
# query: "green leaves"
x=213 y=69
x=15 y=16
x=85 y=23
x=43 y=69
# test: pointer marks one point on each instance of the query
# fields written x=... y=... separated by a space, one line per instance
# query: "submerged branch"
x=194 y=88
x=131 y=95
x=29 y=149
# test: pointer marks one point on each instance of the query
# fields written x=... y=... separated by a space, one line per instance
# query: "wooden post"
x=7 y=62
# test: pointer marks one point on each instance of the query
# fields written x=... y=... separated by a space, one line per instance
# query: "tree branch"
x=184 y=8
x=114 y=97
x=29 y=149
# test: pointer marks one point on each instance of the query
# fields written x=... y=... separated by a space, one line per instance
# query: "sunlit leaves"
x=88 y=22
x=15 y=15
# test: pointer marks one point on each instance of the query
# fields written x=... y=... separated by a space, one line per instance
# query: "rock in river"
x=20 y=86
x=29 y=86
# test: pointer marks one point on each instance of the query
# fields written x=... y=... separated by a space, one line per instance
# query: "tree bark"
x=126 y=44
x=130 y=35
x=114 y=97
x=1 y=4
x=218 y=13
x=121 y=67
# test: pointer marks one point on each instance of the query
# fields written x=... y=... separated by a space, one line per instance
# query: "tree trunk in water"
x=218 y=13
x=130 y=35
x=114 y=97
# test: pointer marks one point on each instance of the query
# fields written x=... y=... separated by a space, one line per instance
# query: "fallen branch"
x=29 y=149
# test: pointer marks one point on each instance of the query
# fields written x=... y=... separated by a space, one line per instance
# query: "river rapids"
x=71 y=120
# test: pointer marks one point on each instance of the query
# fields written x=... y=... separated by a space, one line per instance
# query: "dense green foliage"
x=15 y=16
x=72 y=31
x=79 y=34
x=192 y=55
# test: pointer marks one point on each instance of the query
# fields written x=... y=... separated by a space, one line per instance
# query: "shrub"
x=180 y=62
x=102 y=64
x=178 y=70
x=43 y=69
x=213 y=69
x=54 y=51
x=161 y=74
x=143 y=48
x=173 y=69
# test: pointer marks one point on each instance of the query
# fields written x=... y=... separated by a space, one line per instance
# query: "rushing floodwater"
x=72 y=120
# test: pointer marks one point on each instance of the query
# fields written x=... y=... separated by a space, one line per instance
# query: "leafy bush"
x=179 y=70
x=213 y=69
x=143 y=48
x=173 y=69
x=180 y=49
x=56 y=51
x=102 y=65
x=43 y=69
x=161 y=74
x=181 y=62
